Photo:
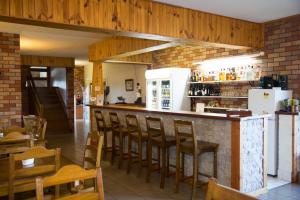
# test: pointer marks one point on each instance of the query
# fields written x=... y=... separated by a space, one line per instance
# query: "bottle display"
x=227 y=73
x=165 y=94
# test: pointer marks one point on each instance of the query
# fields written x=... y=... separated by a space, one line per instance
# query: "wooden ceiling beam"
x=47 y=61
x=117 y=47
x=135 y=18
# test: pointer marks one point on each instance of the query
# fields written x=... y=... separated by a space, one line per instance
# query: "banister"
x=36 y=100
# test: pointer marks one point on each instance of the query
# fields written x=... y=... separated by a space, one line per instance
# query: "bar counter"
x=242 y=143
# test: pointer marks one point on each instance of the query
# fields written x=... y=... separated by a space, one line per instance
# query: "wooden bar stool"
x=121 y=133
x=104 y=128
x=136 y=135
x=157 y=138
x=194 y=147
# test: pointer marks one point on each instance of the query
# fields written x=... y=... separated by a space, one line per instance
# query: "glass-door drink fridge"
x=167 y=88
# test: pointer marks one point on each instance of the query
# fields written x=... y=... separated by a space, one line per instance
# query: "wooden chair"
x=14 y=129
x=15 y=142
x=187 y=143
x=136 y=135
x=157 y=138
x=93 y=150
x=23 y=178
x=104 y=128
x=120 y=132
x=36 y=126
x=68 y=174
x=220 y=192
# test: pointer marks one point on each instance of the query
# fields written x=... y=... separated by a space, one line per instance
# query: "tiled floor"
x=120 y=186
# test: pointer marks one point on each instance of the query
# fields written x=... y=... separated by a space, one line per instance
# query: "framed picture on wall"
x=129 y=86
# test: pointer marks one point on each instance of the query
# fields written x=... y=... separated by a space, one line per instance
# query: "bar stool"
x=157 y=138
x=194 y=147
x=104 y=128
x=136 y=135
x=121 y=133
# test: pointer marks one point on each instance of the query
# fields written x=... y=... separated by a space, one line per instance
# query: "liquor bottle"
x=196 y=76
x=233 y=74
x=228 y=74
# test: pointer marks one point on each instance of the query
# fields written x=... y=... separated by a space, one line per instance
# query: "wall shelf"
x=223 y=82
x=220 y=97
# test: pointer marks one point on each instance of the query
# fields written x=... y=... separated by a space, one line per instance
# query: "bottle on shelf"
x=228 y=74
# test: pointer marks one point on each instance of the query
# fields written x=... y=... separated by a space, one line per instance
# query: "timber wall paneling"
x=137 y=18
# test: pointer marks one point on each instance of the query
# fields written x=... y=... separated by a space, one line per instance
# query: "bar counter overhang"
x=242 y=143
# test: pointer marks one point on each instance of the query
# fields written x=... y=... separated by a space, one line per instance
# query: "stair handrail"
x=62 y=103
x=39 y=107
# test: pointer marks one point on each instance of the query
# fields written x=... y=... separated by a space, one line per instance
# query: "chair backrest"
x=184 y=131
x=100 y=121
x=15 y=142
x=41 y=129
x=220 y=192
x=14 y=129
x=155 y=127
x=36 y=126
x=43 y=165
x=68 y=174
x=93 y=150
x=115 y=122
x=133 y=124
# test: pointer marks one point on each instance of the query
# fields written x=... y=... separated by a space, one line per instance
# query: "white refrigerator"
x=167 y=89
x=267 y=101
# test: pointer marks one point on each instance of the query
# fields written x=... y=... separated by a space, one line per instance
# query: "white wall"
x=115 y=75
x=58 y=79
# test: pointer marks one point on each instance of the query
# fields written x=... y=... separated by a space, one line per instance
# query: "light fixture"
x=230 y=60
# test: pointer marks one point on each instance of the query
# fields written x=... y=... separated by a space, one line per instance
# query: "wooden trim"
x=294 y=152
x=179 y=113
x=235 y=155
x=136 y=18
x=47 y=61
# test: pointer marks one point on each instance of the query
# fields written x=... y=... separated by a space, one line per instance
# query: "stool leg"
x=195 y=176
x=177 y=169
x=215 y=164
x=163 y=168
x=140 y=156
x=149 y=161
x=168 y=162
x=129 y=154
x=105 y=145
x=182 y=165
x=113 y=148
x=121 y=150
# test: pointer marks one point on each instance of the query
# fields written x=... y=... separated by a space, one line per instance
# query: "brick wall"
x=282 y=56
x=78 y=80
x=10 y=79
x=70 y=95
x=282 y=48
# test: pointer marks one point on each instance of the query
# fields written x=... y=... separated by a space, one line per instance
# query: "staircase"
x=54 y=112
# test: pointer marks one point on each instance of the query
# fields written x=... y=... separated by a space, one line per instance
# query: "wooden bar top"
x=286 y=113
x=166 y=112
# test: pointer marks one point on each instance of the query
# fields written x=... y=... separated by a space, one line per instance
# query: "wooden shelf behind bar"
x=222 y=82
x=220 y=97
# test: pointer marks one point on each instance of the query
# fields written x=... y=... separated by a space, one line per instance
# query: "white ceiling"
x=44 y=41
x=251 y=10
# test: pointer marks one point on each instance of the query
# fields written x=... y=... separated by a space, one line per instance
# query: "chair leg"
x=215 y=164
x=158 y=156
x=177 y=169
x=163 y=168
x=129 y=155
x=121 y=150
x=113 y=149
x=195 y=176
x=149 y=149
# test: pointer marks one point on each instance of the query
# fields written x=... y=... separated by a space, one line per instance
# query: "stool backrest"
x=133 y=123
x=100 y=121
x=93 y=150
x=155 y=128
x=184 y=131
x=115 y=122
